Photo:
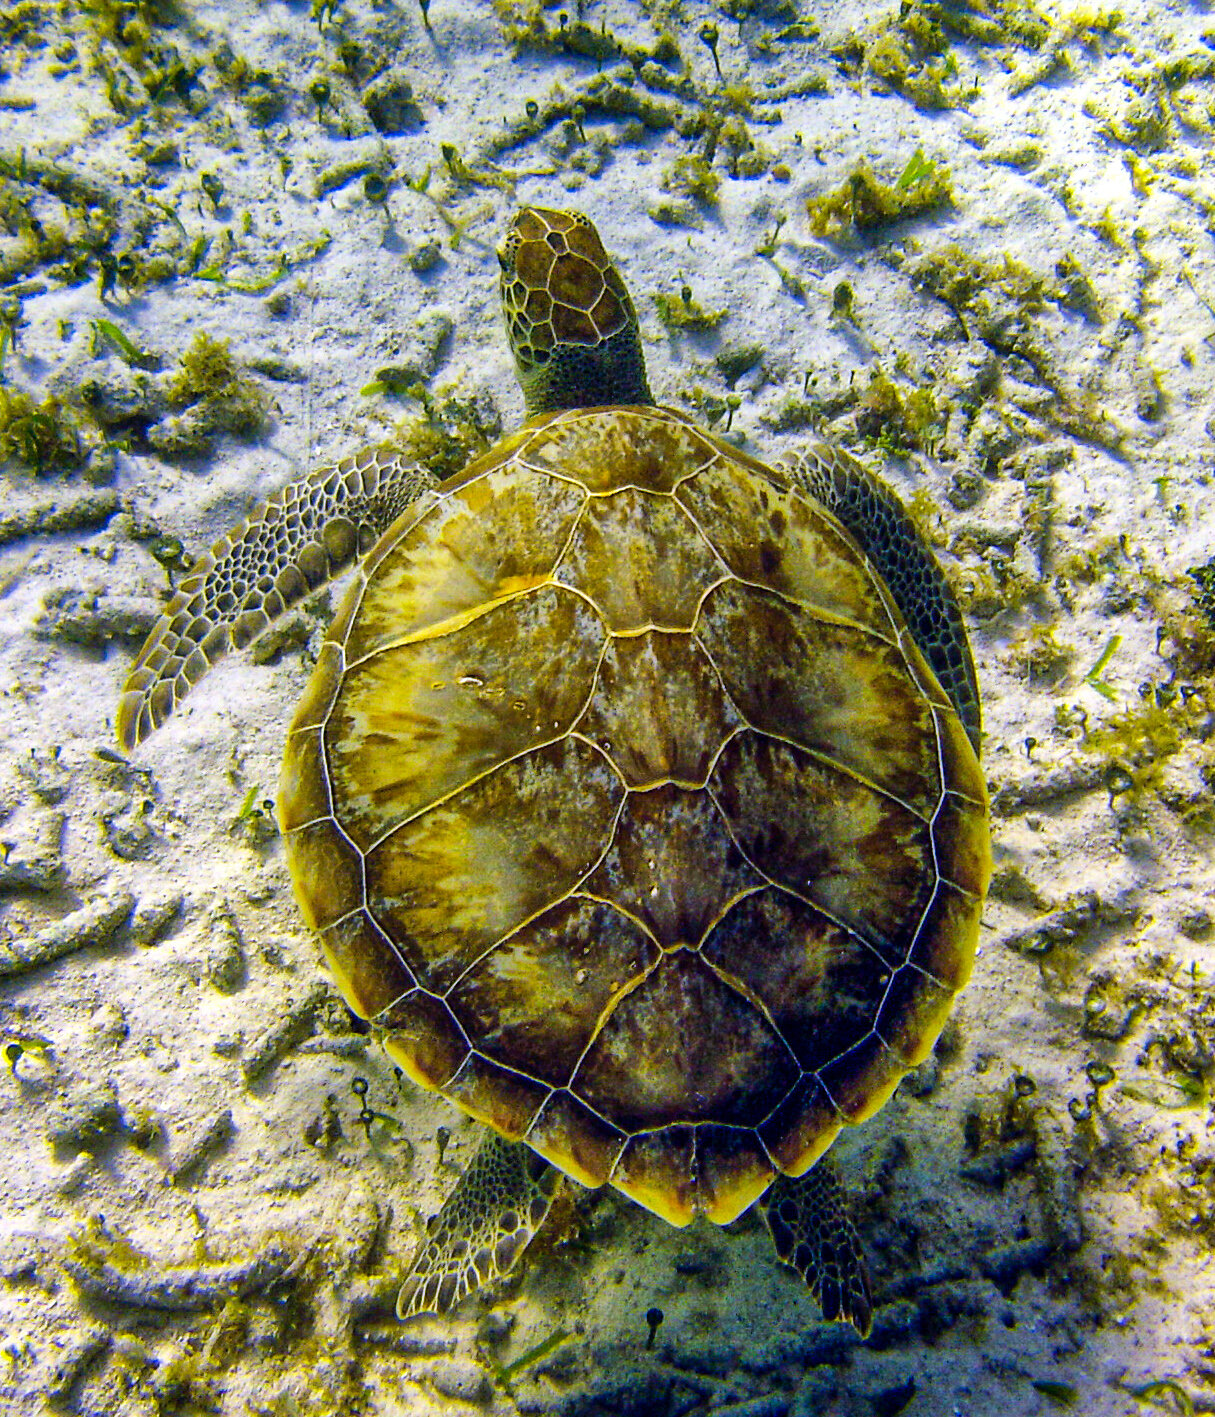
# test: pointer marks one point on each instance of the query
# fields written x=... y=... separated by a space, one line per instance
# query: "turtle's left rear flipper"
x=286 y=548
x=813 y=1232
x=485 y=1225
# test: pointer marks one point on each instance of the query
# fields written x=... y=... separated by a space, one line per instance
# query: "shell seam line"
x=883 y=945
x=575 y=889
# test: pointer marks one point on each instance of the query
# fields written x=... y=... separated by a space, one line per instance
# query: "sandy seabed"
x=192 y=1217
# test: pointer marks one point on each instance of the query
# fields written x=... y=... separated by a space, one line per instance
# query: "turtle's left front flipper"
x=286 y=548
x=813 y=1232
x=485 y=1225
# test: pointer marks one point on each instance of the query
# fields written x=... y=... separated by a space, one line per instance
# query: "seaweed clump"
x=691 y=176
x=213 y=396
x=896 y=422
x=908 y=54
x=135 y=55
x=524 y=26
x=39 y=436
x=998 y=302
x=686 y=312
x=963 y=281
x=1145 y=126
x=722 y=124
x=63 y=222
x=1204 y=589
x=863 y=202
x=449 y=433
x=1140 y=741
x=206 y=371
x=1164 y=746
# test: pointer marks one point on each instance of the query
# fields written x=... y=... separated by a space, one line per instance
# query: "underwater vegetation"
x=864 y=203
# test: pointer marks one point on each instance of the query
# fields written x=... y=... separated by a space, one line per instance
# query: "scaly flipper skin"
x=812 y=1229
x=285 y=549
x=888 y=536
x=485 y=1225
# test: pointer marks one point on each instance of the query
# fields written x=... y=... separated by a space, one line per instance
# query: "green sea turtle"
x=635 y=795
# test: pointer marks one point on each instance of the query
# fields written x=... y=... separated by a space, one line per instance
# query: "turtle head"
x=572 y=327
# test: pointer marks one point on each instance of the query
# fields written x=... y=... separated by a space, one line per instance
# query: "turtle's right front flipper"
x=891 y=540
x=284 y=549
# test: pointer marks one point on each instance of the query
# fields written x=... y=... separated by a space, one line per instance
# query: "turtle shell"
x=629 y=813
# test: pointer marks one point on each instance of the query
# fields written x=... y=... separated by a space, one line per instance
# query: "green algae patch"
x=213 y=395
x=722 y=127
x=448 y=433
x=862 y=202
x=691 y=176
x=1160 y=745
x=999 y=301
x=1204 y=589
x=62 y=222
x=1138 y=743
x=685 y=312
x=1146 y=124
x=1014 y=24
x=525 y=27
x=40 y=436
x=895 y=421
x=132 y=50
x=908 y=54
x=206 y=370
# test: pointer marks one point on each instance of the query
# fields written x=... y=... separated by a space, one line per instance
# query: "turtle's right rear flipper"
x=813 y=1232
x=485 y=1225
x=284 y=549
